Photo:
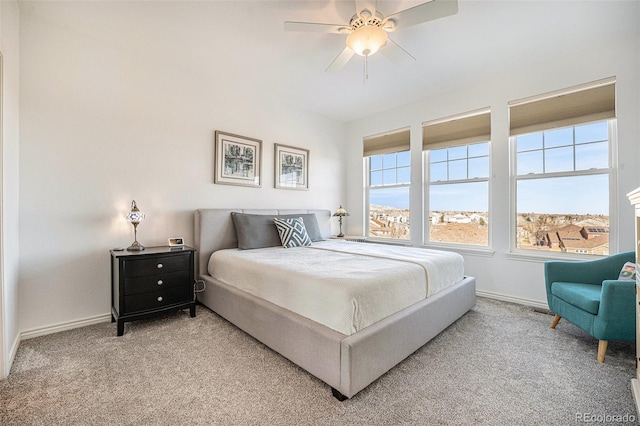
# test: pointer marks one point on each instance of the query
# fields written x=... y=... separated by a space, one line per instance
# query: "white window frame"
x=520 y=253
x=426 y=186
x=368 y=187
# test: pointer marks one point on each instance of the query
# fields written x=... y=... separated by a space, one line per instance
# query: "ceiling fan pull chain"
x=365 y=77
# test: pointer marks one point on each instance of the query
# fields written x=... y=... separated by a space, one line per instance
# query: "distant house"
x=459 y=218
x=552 y=240
x=479 y=219
x=578 y=239
x=437 y=218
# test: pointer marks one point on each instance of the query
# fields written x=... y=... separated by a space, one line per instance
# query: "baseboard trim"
x=512 y=299
x=56 y=328
x=635 y=389
x=12 y=356
x=12 y=353
x=50 y=329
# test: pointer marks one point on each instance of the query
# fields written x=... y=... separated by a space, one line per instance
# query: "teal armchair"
x=589 y=295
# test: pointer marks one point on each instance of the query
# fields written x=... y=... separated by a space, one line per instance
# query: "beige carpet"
x=500 y=364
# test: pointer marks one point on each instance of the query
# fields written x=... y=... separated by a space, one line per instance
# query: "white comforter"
x=342 y=285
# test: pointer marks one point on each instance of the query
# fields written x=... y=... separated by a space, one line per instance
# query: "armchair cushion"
x=583 y=296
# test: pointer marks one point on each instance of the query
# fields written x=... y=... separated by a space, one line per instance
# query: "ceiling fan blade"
x=429 y=11
x=395 y=53
x=340 y=60
x=316 y=27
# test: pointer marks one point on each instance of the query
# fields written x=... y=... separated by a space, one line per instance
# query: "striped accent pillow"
x=292 y=232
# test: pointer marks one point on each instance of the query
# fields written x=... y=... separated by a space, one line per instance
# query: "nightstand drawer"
x=157 y=299
x=156 y=265
x=146 y=284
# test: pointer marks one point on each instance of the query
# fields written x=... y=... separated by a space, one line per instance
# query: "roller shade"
x=388 y=142
x=582 y=104
x=459 y=130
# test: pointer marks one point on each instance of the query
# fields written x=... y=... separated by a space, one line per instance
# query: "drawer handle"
x=159 y=265
x=159 y=298
x=160 y=282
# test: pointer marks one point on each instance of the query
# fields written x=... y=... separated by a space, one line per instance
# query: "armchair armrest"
x=618 y=298
x=616 y=319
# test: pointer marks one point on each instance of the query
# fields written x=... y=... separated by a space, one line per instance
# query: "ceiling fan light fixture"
x=367 y=40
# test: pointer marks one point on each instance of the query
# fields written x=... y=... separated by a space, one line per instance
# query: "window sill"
x=543 y=257
x=466 y=250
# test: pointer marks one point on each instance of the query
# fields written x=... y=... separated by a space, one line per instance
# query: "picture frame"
x=238 y=160
x=291 y=167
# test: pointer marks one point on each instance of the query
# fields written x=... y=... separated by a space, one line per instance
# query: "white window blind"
x=581 y=104
x=458 y=130
x=386 y=143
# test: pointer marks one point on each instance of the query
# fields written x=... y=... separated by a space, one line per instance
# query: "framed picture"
x=237 y=160
x=292 y=167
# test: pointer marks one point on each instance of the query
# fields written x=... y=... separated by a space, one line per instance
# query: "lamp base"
x=340 y=235
x=136 y=246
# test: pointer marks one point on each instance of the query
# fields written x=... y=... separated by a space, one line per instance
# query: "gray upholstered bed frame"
x=346 y=363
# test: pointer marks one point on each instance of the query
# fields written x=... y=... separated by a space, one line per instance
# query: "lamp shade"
x=135 y=215
x=341 y=212
x=366 y=40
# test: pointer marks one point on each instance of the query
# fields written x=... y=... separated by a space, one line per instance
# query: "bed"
x=346 y=356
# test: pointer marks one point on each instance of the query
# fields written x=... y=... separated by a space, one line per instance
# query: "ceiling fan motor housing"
x=365 y=17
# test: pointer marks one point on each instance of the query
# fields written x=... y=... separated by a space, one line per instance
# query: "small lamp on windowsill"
x=341 y=212
x=135 y=216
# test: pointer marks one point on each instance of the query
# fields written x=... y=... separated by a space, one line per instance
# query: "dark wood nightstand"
x=145 y=283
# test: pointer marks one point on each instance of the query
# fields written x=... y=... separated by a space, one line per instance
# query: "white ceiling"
x=245 y=43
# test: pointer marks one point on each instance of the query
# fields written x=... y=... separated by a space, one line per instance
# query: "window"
x=457 y=152
x=388 y=165
x=562 y=171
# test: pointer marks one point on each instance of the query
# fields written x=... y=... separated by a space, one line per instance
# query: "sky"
x=579 y=148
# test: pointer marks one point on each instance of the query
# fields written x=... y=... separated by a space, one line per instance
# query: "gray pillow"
x=258 y=230
x=310 y=223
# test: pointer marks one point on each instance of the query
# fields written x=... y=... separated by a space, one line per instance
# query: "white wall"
x=9 y=326
x=102 y=124
x=105 y=119
x=612 y=49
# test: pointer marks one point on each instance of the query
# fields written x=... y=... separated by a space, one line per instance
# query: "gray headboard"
x=214 y=229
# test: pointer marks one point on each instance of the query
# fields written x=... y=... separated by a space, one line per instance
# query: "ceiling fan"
x=368 y=29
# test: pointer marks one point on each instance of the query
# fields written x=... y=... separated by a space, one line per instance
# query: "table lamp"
x=341 y=212
x=135 y=216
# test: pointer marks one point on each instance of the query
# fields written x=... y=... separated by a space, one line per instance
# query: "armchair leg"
x=602 y=349
x=555 y=322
